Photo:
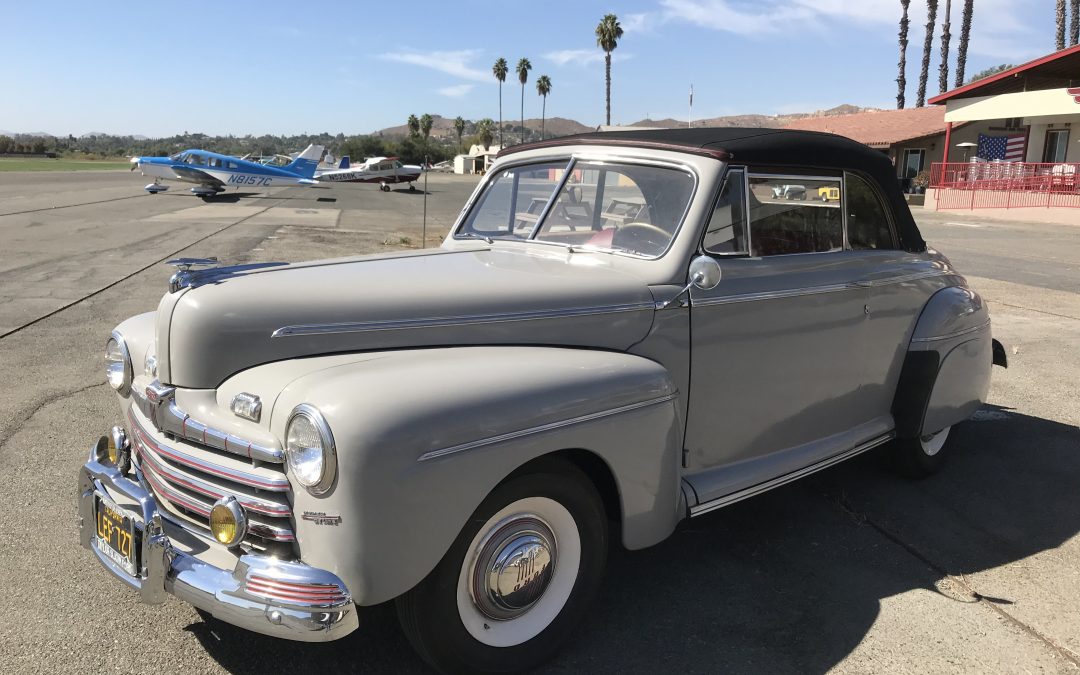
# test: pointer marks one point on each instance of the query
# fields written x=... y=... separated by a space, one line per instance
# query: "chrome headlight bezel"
x=126 y=372
x=321 y=483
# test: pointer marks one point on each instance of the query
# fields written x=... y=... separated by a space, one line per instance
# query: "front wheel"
x=923 y=456
x=518 y=579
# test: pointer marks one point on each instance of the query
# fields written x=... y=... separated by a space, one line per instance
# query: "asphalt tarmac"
x=853 y=570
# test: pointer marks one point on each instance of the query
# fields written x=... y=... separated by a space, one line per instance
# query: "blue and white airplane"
x=213 y=173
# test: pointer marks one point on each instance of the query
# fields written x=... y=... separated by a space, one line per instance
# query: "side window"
x=795 y=214
x=867 y=219
x=233 y=165
x=726 y=232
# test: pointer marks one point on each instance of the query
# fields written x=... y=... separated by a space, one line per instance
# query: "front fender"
x=423 y=436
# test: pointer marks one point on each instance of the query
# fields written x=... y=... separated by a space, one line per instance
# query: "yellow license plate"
x=116 y=534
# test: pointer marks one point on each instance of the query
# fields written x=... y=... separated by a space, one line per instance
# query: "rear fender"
x=946 y=372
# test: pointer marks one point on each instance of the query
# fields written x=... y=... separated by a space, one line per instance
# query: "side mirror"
x=704 y=274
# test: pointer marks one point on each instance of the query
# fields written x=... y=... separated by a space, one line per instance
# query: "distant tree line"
x=412 y=148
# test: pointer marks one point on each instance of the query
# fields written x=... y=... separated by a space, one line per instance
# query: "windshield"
x=621 y=207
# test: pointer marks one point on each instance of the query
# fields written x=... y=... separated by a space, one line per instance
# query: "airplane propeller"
x=134 y=163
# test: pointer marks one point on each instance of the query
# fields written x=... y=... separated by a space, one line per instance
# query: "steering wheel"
x=641 y=237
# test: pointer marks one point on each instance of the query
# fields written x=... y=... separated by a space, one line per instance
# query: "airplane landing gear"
x=156 y=187
x=412 y=188
x=384 y=187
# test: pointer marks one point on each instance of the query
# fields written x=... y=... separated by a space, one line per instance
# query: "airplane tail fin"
x=344 y=163
x=307 y=161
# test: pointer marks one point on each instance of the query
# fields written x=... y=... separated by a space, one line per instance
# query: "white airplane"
x=382 y=170
x=213 y=173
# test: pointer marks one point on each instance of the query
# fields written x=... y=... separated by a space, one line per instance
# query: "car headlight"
x=118 y=364
x=309 y=447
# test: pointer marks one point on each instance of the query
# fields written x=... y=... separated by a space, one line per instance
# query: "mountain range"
x=443 y=127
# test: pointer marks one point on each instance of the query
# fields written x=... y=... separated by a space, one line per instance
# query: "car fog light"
x=309 y=447
x=118 y=364
x=227 y=521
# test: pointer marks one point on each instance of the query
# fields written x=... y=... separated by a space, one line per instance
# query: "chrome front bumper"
x=283 y=599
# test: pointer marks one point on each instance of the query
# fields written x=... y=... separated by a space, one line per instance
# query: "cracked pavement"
x=853 y=570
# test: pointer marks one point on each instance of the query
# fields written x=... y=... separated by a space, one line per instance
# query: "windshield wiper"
x=474 y=235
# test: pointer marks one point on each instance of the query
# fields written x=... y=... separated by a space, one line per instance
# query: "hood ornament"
x=191 y=272
x=183 y=276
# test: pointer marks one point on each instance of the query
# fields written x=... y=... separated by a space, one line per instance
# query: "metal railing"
x=1005 y=185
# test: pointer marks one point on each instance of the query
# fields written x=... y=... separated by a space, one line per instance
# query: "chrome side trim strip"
x=914 y=276
x=242 y=477
x=746 y=493
x=954 y=334
x=472 y=445
x=773 y=295
x=815 y=290
x=438 y=322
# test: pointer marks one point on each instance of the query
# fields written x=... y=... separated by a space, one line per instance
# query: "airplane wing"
x=195 y=175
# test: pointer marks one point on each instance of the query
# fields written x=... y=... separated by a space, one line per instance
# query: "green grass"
x=35 y=164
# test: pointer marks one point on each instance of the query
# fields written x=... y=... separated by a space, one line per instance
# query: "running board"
x=746 y=493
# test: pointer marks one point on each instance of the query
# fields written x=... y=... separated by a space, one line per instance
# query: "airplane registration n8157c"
x=212 y=172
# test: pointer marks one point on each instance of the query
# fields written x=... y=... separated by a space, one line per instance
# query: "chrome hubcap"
x=513 y=567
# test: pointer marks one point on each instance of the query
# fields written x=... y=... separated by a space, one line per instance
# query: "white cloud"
x=457 y=90
x=993 y=19
x=637 y=23
x=456 y=63
x=583 y=57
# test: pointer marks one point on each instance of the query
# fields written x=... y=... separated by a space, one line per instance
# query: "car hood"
x=422 y=299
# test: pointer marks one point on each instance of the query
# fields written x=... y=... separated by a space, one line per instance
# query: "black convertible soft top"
x=774 y=148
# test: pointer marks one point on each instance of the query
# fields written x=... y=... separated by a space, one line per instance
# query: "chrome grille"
x=187 y=478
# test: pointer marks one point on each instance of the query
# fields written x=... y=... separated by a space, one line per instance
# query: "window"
x=914 y=159
x=867 y=218
x=232 y=165
x=726 y=232
x=215 y=162
x=631 y=208
x=622 y=207
x=795 y=214
x=513 y=201
x=1057 y=143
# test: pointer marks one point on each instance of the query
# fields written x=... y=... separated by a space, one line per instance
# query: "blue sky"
x=354 y=67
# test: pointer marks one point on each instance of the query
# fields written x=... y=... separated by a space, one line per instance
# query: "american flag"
x=1007 y=148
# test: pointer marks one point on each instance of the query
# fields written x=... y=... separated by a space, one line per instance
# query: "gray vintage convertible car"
x=620 y=332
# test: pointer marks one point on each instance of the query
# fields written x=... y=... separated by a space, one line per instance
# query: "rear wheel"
x=517 y=580
x=923 y=456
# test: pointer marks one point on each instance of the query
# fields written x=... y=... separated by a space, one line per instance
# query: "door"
x=777 y=345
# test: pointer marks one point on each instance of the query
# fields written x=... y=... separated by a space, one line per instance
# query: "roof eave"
x=977 y=84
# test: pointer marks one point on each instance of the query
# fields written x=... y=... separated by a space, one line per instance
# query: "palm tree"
x=523 y=68
x=1074 y=25
x=543 y=87
x=426 y=123
x=485 y=131
x=499 y=70
x=943 y=69
x=965 y=34
x=608 y=32
x=414 y=125
x=928 y=44
x=901 y=78
x=459 y=127
x=1060 y=42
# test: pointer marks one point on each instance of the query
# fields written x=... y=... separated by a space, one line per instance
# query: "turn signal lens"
x=113 y=452
x=227 y=522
